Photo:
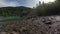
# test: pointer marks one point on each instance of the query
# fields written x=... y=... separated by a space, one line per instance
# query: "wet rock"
x=48 y=23
x=43 y=20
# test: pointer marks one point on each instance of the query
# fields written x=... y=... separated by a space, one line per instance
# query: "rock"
x=3 y=33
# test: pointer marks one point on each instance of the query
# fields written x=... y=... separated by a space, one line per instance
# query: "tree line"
x=43 y=9
x=14 y=11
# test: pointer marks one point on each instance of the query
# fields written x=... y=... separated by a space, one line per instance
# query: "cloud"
x=32 y=3
x=28 y=3
x=4 y=3
x=14 y=3
x=47 y=1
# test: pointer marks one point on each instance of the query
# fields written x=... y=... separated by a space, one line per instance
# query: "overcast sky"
x=28 y=3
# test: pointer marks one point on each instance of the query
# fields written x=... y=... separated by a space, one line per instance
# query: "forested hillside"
x=51 y=8
x=43 y=9
x=14 y=11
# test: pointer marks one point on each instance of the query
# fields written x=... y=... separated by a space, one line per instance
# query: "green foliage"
x=14 y=11
x=43 y=9
x=51 y=8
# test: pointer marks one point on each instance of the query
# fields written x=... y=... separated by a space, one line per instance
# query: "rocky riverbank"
x=39 y=25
